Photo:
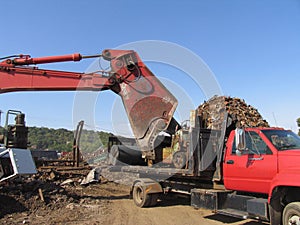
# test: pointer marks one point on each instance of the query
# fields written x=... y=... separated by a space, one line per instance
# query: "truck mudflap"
x=15 y=162
x=230 y=204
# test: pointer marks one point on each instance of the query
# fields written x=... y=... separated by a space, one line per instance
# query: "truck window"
x=254 y=144
x=283 y=140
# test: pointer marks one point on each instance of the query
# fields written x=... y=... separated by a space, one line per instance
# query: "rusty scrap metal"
x=212 y=113
x=76 y=141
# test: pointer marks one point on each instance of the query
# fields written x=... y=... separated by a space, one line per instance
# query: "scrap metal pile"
x=212 y=113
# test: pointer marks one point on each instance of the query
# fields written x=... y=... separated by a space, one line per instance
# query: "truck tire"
x=291 y=214
x=140 y=197
x=179 y=159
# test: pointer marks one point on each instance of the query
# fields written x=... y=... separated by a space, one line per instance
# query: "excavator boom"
x=149 y=105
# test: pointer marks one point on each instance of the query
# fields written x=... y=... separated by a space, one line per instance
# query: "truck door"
x=253 y=169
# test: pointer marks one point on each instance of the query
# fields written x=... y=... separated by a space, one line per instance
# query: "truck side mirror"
x=240 y=139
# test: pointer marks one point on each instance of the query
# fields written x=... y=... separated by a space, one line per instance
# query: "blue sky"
x=252 y=47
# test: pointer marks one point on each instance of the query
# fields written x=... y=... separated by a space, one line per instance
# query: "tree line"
x=44 y=138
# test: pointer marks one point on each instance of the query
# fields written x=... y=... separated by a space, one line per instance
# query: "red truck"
x=266 y=173
x=246 y=173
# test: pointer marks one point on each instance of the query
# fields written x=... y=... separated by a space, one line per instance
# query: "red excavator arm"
x=149 y=105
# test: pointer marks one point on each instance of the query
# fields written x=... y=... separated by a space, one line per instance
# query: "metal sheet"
x=22 y=160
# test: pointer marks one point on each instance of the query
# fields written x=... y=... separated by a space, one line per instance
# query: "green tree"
x=62 y=139
x=298 y=123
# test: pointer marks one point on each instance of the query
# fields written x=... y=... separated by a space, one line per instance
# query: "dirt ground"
x=43 y=199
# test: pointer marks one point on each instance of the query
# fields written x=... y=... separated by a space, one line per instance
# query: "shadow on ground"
x=229 y=220
x=173 y=199
x=9 y=205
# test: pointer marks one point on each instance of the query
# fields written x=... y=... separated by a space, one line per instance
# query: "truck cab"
x=267 y=164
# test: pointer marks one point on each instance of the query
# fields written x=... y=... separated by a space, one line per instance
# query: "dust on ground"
x=53 y=197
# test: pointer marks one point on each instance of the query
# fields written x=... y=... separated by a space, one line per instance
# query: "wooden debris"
x=67 y=182
x=243 y=115
x=41 y=195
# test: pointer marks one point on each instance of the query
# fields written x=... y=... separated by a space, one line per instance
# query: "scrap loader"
x=149 y=105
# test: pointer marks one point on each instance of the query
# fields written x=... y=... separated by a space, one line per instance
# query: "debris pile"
x=212 y=113
x=55 y=196
x=31 y=194
x=47 y=190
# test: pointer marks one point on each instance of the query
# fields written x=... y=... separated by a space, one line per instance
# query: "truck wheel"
x=140 y=197
x=179 y=160
x=291 y=214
